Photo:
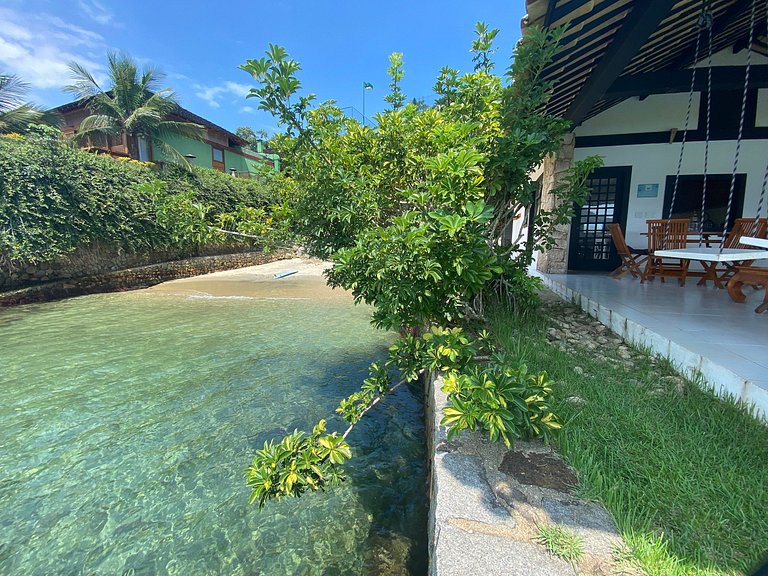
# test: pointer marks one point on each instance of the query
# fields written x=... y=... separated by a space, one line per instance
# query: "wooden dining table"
x=710 y=257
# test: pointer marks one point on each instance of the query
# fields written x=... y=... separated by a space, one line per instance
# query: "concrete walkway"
x=487 y=503
x=699 y=329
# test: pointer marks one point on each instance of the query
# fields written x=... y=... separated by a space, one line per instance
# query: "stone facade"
x=137 y=277
x=554 y=170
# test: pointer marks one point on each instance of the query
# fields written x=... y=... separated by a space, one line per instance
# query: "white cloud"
x=96 y=11
x=38 y=48
x=237 y=89
x=213 y=95
x=247 y=109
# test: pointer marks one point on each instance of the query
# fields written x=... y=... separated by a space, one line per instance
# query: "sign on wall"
x=647 y=190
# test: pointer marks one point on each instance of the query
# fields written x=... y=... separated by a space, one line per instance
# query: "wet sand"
x=259 y=282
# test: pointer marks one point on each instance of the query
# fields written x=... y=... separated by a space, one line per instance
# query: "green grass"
x=560 y=542
x=685 y=474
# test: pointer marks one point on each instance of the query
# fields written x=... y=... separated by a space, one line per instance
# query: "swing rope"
x=687 y=122
x=685 y=128
x=741 y=126
x=761 y=201
x=706 y=20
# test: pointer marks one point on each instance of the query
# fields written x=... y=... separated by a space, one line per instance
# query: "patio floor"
x=700 y=329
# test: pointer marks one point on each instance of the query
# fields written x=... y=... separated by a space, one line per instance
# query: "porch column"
x=554 y=169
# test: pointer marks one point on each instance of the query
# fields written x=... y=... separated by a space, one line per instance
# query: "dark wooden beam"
x=721 y=24
x=637 y=27
x=677 y=81
x=554 y=13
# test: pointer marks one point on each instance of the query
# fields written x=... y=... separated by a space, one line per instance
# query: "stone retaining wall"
x=97 y=259
x=138 y=277
x=487 y=502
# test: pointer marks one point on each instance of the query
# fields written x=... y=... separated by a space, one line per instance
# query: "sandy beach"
x=259 y=282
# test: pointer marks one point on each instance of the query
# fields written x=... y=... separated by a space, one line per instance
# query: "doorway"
x=591 y=246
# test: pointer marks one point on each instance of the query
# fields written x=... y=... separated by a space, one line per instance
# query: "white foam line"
x=212 y=297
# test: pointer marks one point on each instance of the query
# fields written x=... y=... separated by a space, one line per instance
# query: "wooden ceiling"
x=610 y=39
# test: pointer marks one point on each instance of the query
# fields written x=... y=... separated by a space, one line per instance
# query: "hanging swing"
x=731 y=252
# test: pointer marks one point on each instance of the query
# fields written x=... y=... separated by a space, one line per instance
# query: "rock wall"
x=137 y=277
x=96 y=259
x=554 y=170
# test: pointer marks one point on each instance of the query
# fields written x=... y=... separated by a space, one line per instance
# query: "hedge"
x=55 y=198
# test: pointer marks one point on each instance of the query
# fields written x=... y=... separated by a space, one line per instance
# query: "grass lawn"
x=684 y=474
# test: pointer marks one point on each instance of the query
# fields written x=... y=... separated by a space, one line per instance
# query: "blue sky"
x=199 y=45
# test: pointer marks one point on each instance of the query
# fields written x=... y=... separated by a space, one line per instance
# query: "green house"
x=220 y=149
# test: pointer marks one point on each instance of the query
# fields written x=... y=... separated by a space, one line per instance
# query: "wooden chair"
x=631 y=258
x=757 y=227
x=666 y=235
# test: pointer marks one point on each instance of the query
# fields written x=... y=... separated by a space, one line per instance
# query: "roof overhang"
x=611 y=46
x=181 y=113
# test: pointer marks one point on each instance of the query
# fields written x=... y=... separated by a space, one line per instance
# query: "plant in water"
x=413 y=212
x=560 y=542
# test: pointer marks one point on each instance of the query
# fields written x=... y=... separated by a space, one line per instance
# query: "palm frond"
x=85 y=85
x=96 y=127
x=104 y=104
x=151 y=77
x=173 y=155
x=143 y=120
x=122 y=73
x=19 y=119
x=12 y=92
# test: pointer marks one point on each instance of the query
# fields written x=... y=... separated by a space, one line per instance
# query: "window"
x=218 y=155
x=688 y=200
x=144 y=150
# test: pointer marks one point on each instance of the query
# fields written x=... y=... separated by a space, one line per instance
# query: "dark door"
x=591 y=247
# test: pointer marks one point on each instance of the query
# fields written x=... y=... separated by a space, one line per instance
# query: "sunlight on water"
x=127 y=420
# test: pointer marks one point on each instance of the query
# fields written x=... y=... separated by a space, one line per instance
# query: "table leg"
x=710 y=273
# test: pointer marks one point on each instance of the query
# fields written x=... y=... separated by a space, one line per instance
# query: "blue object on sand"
x=283 y=275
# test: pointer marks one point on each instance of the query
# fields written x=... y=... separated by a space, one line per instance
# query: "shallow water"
x=127 y=420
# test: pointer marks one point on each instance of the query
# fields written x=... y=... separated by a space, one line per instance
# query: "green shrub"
x=55 y=198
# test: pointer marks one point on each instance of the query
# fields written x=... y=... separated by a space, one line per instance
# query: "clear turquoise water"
x=127 y=419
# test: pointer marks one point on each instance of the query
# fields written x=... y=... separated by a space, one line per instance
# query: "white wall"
x=662 y=112
x=652 y=163
x=726 y=57
x=762 y=108
x=657 y=113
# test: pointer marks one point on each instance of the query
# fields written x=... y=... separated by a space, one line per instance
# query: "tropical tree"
x=253 y=136
x=133 y=105
x=16 y=115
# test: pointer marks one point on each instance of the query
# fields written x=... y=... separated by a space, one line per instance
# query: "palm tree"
x=15 y=114
x=133 y=105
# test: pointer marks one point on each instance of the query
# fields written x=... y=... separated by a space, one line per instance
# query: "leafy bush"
x=506 y=402
x=55 y=198
x=415 y=214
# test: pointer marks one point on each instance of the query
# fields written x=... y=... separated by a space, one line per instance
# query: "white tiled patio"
x=697 y=328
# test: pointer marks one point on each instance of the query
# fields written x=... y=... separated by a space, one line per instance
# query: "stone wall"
x=486 y=503
x=137 y=277
x=554 y=170
x=96 y=259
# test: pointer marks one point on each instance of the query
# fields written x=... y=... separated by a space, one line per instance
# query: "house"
x=622 y=76
x=220 y=149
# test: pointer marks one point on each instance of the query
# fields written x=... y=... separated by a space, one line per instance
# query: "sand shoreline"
x=259 y=282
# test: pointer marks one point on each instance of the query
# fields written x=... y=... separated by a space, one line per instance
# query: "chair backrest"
x=746 y=227
x=618 y=240
x=667 y=234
